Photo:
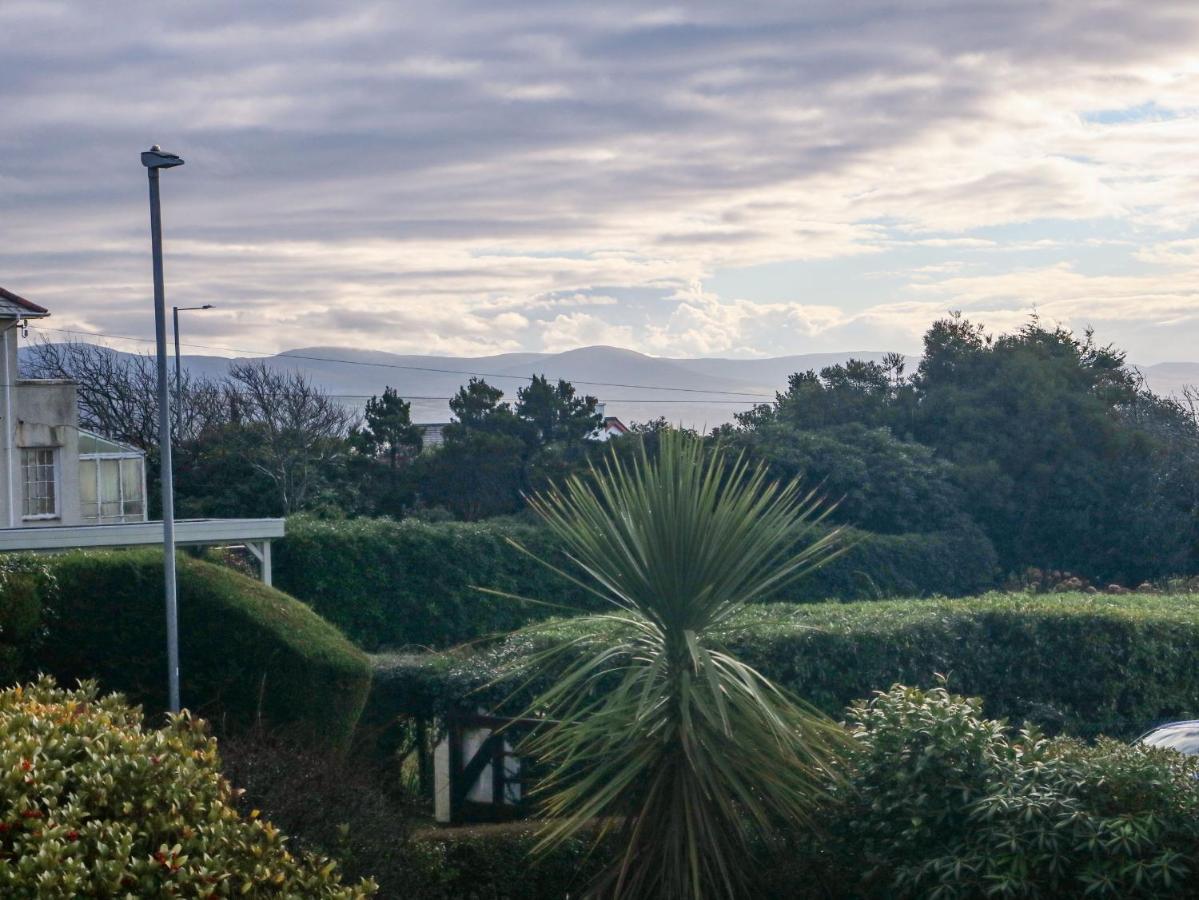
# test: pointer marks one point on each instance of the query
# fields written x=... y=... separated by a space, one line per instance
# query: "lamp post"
x=175 y=310
x=155 y=159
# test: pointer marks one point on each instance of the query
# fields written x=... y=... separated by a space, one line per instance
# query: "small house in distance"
x=433 y=433
x=610 y=427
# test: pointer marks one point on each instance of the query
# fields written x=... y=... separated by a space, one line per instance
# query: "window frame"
x=123 y=518
x=56 y=471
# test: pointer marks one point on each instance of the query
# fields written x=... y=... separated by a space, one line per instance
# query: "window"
x=41 y=483
x=111 y=490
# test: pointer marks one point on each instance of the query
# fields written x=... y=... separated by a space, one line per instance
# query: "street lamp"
x=155 y=159
x=175 y=310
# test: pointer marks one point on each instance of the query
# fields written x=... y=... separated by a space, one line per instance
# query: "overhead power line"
x=383 y=365
x=622 y=400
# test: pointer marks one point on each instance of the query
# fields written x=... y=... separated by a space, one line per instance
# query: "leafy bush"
x=390 y=584
x=946 y=804
x=879 y=481
x=94 y=804
x=496 y=863
x=247 y=651
x=1082 y=663
x=26 y=587
x=334 y=804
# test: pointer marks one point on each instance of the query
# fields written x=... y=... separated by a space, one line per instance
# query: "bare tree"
x=118 y=392
x=302 y=429
x=1190 y=402
x=288 y=429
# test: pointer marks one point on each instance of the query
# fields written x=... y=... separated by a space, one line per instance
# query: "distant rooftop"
x=13 y=306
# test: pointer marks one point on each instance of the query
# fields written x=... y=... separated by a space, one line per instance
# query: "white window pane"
x=89 y=498
x=110 y=481
x=131 y=479
x=39 y=482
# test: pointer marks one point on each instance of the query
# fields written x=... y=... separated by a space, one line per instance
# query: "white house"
x=63 y=487
x=610 y=427
x=55 y=474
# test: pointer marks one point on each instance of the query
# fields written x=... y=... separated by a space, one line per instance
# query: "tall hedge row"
x=246 y=650
x=390 y=584
x=1079 y=663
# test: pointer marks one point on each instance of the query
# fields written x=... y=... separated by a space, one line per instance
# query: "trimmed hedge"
x=390 y=584
x=246 y=650
x=408 y=583
x=1080 y=663
x=26 y=587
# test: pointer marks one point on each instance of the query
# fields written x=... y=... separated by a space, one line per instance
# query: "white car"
x=1180 y=736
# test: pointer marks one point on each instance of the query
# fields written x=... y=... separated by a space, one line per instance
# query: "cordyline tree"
x=686 y=752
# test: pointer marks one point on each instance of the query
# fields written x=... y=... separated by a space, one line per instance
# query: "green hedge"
x=1079 y=663
x=955 y=563
x=245 y=649
x=495 y=862
x=408 y=583
x=26 y=587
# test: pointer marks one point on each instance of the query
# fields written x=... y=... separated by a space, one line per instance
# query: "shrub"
x=497 y=863
x=391 y=584
x=26 y=587
x=247 y=651
x=329 y=803
x=1076 y=662
x=945 y=804
x=94 y=804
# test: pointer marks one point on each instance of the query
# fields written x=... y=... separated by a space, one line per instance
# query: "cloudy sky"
x=724 y=179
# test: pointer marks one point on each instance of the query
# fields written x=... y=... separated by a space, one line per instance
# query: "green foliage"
x=387 y=431
x=1064 y=460
x=557 y=414
x=1082 y=663
x=495 y=864
x=943 y=804
x=1049 y=442
x=495 y=454
x=879 y=483
x=690 y=750
x=26 y=588
x=953 y=563
x=246 y=650
x=385 y=446
x=94 y=804
x=338 y=805
x=394 y=584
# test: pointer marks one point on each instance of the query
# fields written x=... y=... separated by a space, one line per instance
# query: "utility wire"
x=609 y=400
x=358 y=362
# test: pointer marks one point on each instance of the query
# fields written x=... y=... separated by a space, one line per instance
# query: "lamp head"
x=157 y=158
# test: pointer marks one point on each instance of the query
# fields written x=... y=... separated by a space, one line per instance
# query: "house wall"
x=10 y=475
x=47 y=416
x=36 y=414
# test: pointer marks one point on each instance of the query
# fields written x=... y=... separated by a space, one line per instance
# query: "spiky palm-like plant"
x=687 y=750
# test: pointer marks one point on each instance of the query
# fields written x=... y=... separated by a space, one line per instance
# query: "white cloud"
x=470 y=177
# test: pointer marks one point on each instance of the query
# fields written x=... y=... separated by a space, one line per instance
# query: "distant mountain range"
x=633 y=386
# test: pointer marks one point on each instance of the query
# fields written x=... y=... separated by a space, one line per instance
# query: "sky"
x=710 y=179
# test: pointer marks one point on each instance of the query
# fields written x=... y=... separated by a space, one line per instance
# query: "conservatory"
x=112 y=481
